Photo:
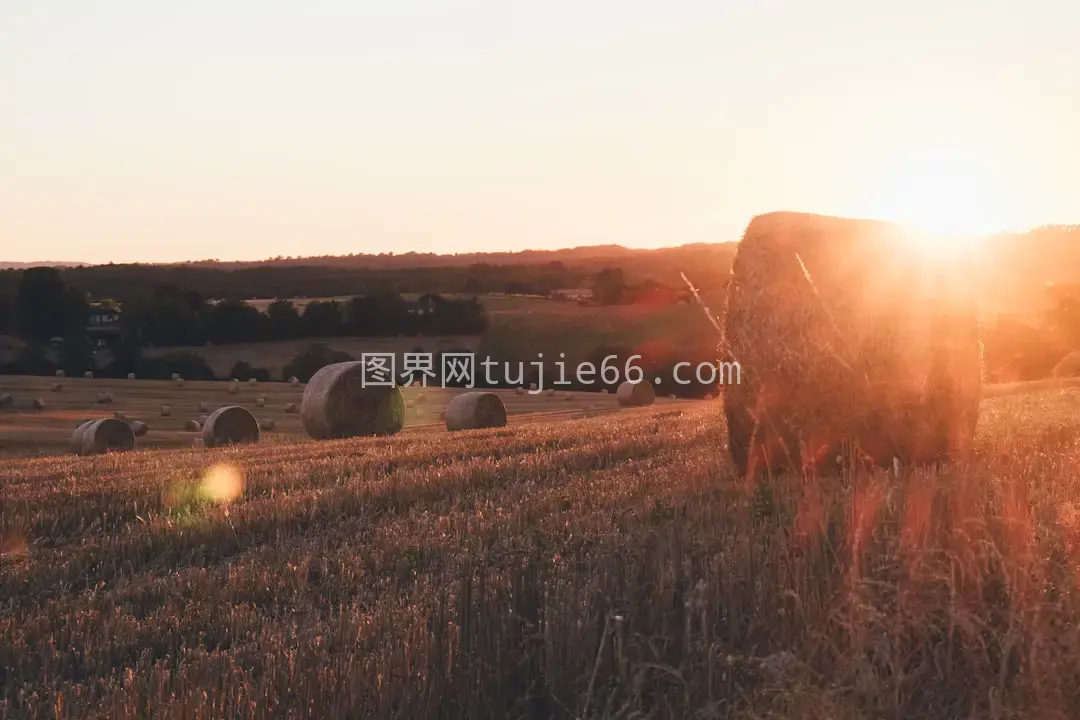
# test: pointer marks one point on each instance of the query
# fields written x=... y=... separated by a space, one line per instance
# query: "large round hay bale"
x=102 y=436
x=6 y=400
x=635 y=394
x=139 y=428
x=473 y=410
x=76 y=443
x=848 y=338
x=1069 y=366
x=230 y=425
x=336 y=404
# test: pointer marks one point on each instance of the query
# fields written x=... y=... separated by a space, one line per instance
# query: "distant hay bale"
x=1069 y=366
x=60 y=373
x=104 y=398
x=604 y=391
x=671 y=396
x=639 y=394
x=550 y=392
x=230 y=425
x=177 y=381
x=420 y=398
x=252 y=381
x=6 y=400
x=233 y=389
x=57 y=387
x=336 y=404
x=708 y=396
x=192 y=426
x=176 y=376
x=139 y=428
x=267 y=424
x=88 y=375
x=39 y=404
x=166 y=411
x=101 y=436
x=120 y=415
x=294 y=381
x=131 y=376
x=290 y=408
x=847 y=338
x=532 y=386
x=203 y=407
x=519 y=391
x=568 y=396
x=260 y=401
x=474 y=410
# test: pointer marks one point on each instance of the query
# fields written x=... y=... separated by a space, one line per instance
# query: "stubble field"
x=612 y=567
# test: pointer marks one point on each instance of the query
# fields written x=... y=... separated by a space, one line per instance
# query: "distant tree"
x=243 y=371
x=283 y=320
x=321 y=319
x=311 y=359
x=608 y=286
x=76 y=355
x=45 y=307
x=175 y=316
x=233 y=321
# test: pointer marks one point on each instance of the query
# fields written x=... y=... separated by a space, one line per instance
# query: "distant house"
x=103 y=327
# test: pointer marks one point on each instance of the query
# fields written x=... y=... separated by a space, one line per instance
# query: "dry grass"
x=28 y=432
x=609 y=568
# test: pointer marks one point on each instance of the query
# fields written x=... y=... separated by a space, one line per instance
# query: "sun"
x=947 y=201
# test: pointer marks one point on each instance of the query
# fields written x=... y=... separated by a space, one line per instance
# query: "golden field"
x=612 y=567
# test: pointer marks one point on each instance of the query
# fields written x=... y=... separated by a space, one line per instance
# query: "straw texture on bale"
x=337 y=405
x=639 y=394
x=850 y=343
x=1069 y=366
x=102 y=436
x=474 y=410
x=139 y=428
x=230 y=425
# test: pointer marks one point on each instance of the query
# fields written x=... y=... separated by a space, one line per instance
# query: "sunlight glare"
x=222 y=484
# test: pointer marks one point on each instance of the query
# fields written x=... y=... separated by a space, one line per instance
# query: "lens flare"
x=222 y=484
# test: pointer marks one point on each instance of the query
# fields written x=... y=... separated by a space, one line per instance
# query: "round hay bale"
x=252 y=381
x=568 y=397
x=60 y=373
x=532 y=386
x=473 y=410
x=176 y=376
x=671 y=396
x=847 y=338
x=75 y=445
x=1069 y=366
x=131 y=376
x=104 y=398
x=192 y=426
x=550 y=392
x=260 y=401
x=102 y=436
x=120 y=415
x=39 y=404
x=294 y=381
x=230 y=425
x=336 y=404
x=267 y=424
x=637 y=394
x=290 y=408
x=203 y=407
x=139 y=428
x=88 y=375
x=604 y=391
x=166 y=411
x=519 y=391
x=57 y=387
x=420 y=398
x=233 y=388
x=6 y=400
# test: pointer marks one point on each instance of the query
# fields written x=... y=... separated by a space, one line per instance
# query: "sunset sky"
x=236 y=129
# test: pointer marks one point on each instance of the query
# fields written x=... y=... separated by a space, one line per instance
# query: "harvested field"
x=28 y=432
x=547 y=570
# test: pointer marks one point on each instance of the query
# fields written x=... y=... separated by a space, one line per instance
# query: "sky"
x=144 y=130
